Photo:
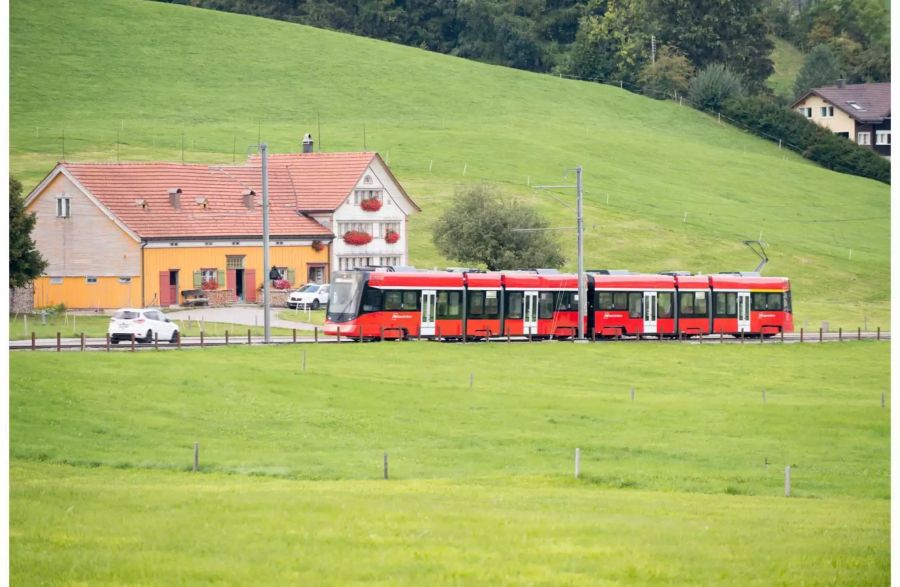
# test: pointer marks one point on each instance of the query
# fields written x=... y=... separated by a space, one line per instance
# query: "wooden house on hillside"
x=859 y=112
x=139 y=234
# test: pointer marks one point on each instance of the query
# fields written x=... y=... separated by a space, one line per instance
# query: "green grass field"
x=788 y=62
x=666 y=187
x=313 y=317
x=675 y=488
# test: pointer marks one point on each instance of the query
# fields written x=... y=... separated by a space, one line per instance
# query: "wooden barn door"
x=250 y=285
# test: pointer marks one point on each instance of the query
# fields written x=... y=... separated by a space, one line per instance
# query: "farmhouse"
x=859 y=112
x=128 y=234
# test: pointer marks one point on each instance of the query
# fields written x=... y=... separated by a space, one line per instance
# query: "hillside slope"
x=666 y=187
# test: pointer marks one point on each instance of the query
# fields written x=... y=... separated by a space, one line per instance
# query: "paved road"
x=246 y=315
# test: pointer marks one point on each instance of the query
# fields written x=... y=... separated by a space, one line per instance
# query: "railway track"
x=101 y=344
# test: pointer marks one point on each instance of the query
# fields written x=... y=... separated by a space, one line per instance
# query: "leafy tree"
x=479 y=228
x=611 y=47
x=670 y=74
x=713 y=86
x=733 y=32
x=821 y=68
x=25 y=262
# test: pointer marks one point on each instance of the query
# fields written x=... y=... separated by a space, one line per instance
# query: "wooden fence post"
x=201 y=339
x=179 y=340
x=841 y=334
x=58 y=342
x=315 y=334
x=132 y=342
x=820 y=335
x=226 y=338
x=801 y=334
x=197 y=454
x=295 y=335
x=34 y=342
x=877 y=334
x=858 y=333
x=156 y=340
x=385 y=466
x=249 y=340
x=107 y=342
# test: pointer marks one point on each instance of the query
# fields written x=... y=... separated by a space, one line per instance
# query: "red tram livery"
x=368 y=304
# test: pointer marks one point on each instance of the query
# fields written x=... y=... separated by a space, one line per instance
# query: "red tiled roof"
x=313 y=181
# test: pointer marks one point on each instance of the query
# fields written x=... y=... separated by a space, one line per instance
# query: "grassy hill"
x=788 y=61
x=675 y=486
x=666 y=187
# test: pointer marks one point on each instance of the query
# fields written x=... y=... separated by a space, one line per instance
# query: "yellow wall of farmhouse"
x=187 y=260
x=85 y=243
x=840 y=122
x=76 y=293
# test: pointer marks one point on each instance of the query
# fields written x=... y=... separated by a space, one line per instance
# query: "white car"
x=311 y=295
x=145 y=324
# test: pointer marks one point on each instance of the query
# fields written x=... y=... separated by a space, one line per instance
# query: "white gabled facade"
x=376 y=182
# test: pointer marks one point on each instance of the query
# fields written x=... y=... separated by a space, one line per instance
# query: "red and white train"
x=368 y=304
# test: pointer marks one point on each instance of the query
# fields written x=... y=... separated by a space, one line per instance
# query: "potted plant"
x=357 y=238
x=209 y=285
x=391 y=237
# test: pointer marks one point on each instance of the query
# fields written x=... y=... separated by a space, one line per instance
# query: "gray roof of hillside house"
x=869 y=103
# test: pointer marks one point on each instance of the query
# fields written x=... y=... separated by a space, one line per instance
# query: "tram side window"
x=372 y=300
x=491 y=304
x=449 y=304
x=514 y=304
x=692 y=304
x=758 y=301
x=411 y=300
x=773 y=301
x=393 y=300
x=401 y=300
x=484 y=304
x=635 y=300
x=726 y=304
x=664 y=305
x=545 y=304
x=604 y=300
x=568 y=300
x=787 y=301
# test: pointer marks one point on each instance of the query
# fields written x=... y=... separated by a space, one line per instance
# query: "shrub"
x=713 y=86
x=818 y=144
x=669 y=76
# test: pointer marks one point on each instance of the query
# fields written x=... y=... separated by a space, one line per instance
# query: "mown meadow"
x=666 y=187
x=682 y=484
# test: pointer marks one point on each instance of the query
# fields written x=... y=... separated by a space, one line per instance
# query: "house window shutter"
x=290 y=276
x=198 y=280
x=221 y=278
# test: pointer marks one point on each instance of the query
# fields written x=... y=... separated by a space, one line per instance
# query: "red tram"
x=443 y=304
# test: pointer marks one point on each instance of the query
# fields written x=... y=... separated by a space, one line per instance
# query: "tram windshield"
x=344 y=295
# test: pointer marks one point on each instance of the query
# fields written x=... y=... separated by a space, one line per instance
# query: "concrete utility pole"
x=579 y=214
x=267 y=334
x=582 y=285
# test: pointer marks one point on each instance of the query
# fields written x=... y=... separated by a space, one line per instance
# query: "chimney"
x=175 y=197
x=841 y=82
x=307 y=143
x=248 y=198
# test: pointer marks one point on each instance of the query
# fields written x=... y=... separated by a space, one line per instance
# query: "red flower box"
x=357 y=238
x=318 y=246
x=390 y=237
x=210 y=285
x=282 y=284
x=370 y=204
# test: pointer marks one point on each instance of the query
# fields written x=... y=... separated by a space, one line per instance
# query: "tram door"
x=649 y=312
x=530 y=313
x=743 y=311
x=429 y=305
